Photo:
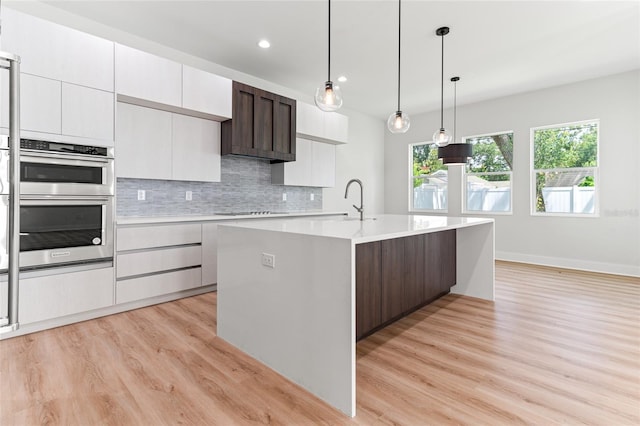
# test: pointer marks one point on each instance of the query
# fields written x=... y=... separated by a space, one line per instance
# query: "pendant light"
x=398 y=121
x=455 y=153
x=442 y=137
x=329 y=97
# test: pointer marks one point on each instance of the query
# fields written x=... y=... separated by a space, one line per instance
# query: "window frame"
x=411 y=208
x=533 y=171
x=466 y=173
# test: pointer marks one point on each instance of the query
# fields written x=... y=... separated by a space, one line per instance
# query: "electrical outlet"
x=142 y=195
x=312 y=196
x=269 y=260
x=284 y=196
x=189 y=196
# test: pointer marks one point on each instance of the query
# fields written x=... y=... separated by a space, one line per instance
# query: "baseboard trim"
x=560 y=262
x=109 y=310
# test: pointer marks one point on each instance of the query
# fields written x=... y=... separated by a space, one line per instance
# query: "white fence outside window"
x=430 y=197
x=569 y=199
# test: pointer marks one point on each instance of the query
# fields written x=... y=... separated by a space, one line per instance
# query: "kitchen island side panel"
x=298 y=318
x=475 y=267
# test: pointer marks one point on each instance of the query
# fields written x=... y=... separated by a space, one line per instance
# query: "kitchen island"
x=292 y=293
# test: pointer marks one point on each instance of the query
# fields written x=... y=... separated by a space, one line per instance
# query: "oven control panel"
x=40 y=145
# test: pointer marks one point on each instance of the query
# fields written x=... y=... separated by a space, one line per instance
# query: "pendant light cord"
x=442 y=85
x=329 y=44
x=399 y=35
x=455 y=102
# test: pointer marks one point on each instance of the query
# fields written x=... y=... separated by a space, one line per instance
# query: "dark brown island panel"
x=397 y=276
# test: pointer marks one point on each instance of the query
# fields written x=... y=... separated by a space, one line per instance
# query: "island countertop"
x=379 y=227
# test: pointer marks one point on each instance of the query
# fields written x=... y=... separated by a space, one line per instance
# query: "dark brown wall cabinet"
x=397 y=276
x=263 y=125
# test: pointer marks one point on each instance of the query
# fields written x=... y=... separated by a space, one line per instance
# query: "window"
x=488 y=179
x=565 y=169
x=428 y=183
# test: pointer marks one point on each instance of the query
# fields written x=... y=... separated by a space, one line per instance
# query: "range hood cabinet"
x=263 y=125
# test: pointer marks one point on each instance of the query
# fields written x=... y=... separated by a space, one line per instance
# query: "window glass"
x=565 y=169
x=428 y=179
x=488 y=177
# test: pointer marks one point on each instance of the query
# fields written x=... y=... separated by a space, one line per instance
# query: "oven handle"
x=63 y=159
x=57 y=200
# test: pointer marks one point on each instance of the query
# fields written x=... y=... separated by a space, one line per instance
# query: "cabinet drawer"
x=158 y=260
x=158 y=236
x=157 y=285
x=53 y=296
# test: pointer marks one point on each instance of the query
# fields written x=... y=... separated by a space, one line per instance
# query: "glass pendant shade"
x=398 y=122
x=329 y=97
x=442 y=137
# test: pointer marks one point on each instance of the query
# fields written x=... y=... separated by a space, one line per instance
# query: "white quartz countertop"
x=217 y=217
x=380 y=227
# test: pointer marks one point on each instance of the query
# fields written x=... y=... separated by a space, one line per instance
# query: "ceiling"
x=497 y=48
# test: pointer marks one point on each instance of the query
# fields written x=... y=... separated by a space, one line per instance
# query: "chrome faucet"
x=346 y=192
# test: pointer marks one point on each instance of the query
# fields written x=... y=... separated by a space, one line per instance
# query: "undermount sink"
x=358 y=219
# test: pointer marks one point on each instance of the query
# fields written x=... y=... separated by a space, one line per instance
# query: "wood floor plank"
x=556 y=347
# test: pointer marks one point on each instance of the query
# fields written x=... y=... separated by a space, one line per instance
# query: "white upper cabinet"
x=155 y=144
x=196 y=149
x=206 y=92
x=143 y=75
x=336 y=127
x=58 y=109
x=40 y=104
x=315 y=124
x=309 y=119
x=148 y=77
x=57 y=52
x=323 y=165
x=295 y=173
x=87 y=112
x=315 y=166
x=143 y=142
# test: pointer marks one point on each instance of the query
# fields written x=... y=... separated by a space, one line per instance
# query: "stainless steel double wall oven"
x=66 y=203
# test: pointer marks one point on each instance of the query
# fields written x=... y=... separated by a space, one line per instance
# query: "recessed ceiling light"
x=342 y=79
x=264 y=44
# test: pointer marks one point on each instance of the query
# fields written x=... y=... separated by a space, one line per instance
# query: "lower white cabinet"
x=152 y=236
x=158 y=260
x=209 y=253
x=315 y=166
x=57 y=295
x=154 y=260
x=129 y=290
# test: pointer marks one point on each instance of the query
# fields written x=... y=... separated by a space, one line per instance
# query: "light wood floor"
x=556 y=347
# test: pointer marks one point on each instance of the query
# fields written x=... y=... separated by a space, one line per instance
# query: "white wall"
x=362 y=157
x=608 y=243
